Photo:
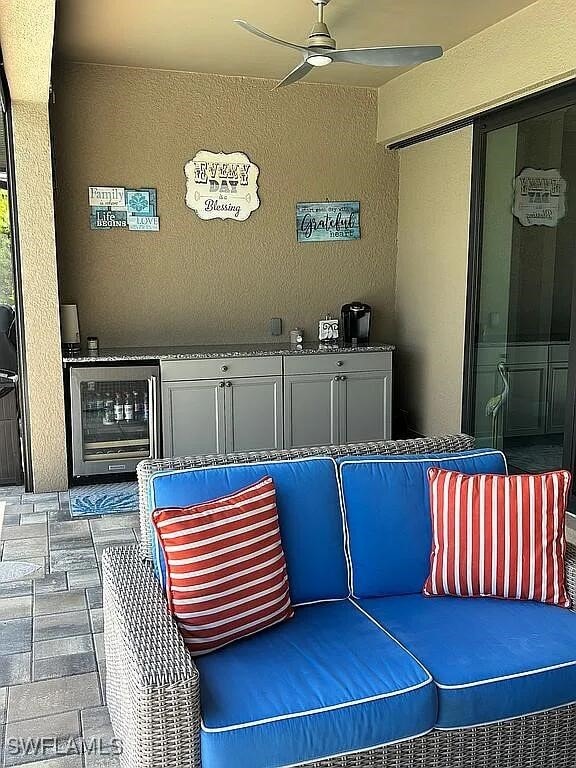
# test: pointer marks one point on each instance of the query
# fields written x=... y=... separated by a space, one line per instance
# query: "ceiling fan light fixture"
x=319 y=60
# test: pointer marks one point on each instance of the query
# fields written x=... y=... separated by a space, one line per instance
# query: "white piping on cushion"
x=318 y=711
x=345 y=530
x=491 y=680
x=319 y=602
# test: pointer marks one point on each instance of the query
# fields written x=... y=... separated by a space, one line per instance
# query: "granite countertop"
x=204 y=352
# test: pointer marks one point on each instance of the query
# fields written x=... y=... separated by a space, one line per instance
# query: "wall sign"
x=539 y=198
x=121 y=208
x=222 y=186
x=317 y=222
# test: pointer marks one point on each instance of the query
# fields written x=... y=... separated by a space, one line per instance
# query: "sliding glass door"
x=520 y=352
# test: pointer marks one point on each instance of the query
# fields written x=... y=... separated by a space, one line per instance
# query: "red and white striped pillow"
x=225 y=568
x=499 y=536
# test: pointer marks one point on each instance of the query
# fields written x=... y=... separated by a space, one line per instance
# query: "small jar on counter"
x=93 y=345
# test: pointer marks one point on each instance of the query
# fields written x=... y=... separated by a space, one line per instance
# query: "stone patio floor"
x=52 y=666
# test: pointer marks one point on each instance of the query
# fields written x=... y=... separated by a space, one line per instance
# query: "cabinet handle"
x=228 y=383
x=339 y=363
x=342 y=378
x=224 y=368
x=222 y=384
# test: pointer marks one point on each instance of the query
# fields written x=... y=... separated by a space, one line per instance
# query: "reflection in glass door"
x=519 y=358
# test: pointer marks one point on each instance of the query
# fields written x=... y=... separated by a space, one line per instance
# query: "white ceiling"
x=199 y=36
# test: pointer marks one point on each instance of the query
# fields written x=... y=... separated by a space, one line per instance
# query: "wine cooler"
x=115 y=418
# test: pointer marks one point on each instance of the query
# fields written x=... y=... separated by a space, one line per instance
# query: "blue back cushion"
x=311 y=520
x=387 y=509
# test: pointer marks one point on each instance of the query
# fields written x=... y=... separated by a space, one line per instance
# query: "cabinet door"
x=365 y=407
x=253 y=408
x=557 y=397
x=311 y=410
x=193 y=417
x=526 y=409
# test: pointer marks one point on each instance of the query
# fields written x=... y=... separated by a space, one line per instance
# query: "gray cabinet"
x=221 y=415
x=333 y=408
x=193 y=417
x=311 y=410
x=527 y=405
x=253 y=414
x=220 y=405
x=365 y=407
x=537 y=375
x=557 y=397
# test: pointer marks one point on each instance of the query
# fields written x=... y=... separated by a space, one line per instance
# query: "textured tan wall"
x=40 y=295
x=218 y=281
x=26 y=40
x=26 y=34
x=433 y=222
x=522 y=54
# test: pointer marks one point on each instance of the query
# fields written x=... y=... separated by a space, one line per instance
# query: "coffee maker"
x=356 y=320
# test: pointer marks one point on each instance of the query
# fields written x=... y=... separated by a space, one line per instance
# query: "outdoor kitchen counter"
x=205 y=352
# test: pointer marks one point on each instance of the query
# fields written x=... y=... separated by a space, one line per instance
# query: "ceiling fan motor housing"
x=320 y=37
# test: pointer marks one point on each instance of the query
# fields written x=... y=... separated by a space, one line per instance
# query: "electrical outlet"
x=276 y=326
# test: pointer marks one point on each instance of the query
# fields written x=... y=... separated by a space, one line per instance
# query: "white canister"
x=70 y=328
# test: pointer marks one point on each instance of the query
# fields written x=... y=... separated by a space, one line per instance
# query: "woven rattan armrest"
x=571 y=572
x=151 y=679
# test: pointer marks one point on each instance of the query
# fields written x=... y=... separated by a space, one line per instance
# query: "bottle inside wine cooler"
x=90 y=399
x=118 y=407
x=138 y=406
x=145 y=407
x=128 y=407
x=108 y=418
x=100 y=401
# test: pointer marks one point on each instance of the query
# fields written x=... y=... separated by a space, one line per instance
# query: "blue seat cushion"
x=387 y=509
x=491 y=659
x=309 y=511
x=327 y=682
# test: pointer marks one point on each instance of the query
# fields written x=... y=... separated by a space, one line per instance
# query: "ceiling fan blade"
x=392 y=56
x=266 y=36
x=297 y=74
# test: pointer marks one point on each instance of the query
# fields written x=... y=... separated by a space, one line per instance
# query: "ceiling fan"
x=322 y=50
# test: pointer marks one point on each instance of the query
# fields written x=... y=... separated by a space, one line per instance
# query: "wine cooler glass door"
x=114 y=418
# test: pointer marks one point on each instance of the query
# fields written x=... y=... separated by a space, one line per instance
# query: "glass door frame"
x=24 y=418
x=551 y=100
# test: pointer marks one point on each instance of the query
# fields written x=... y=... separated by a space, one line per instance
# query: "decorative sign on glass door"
x=539 y=198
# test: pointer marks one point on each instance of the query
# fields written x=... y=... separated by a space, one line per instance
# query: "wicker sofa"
x=153 y=684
